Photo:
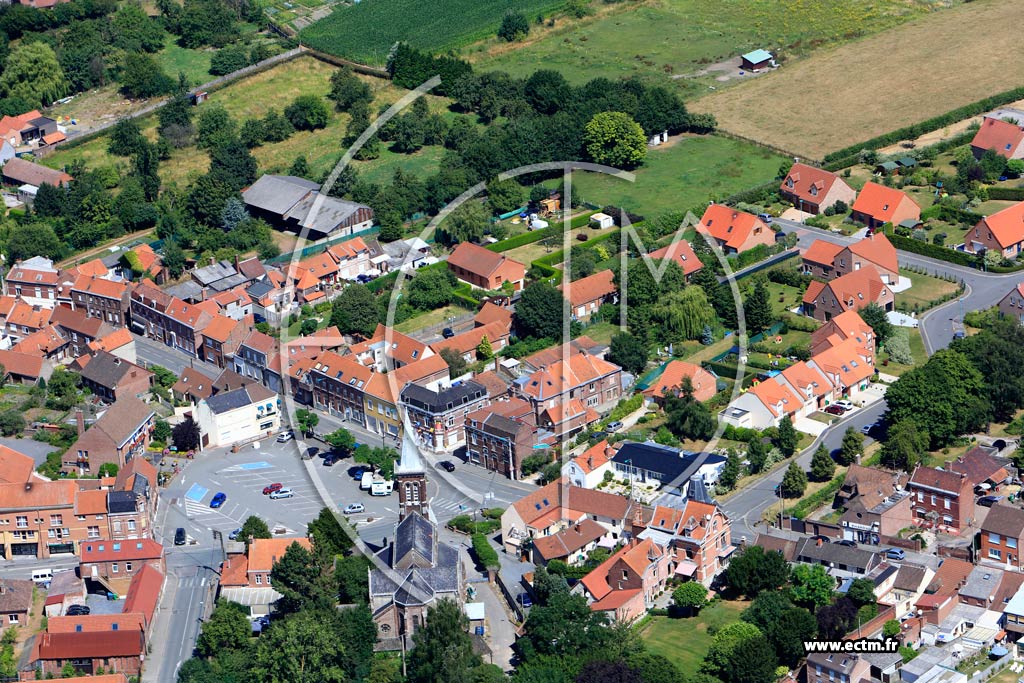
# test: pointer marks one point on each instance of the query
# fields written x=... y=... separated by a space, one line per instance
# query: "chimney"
x=213 y=261
x=237 y=269
x=80 y=422
x=590 y=461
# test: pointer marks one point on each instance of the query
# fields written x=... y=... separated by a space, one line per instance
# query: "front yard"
x=925 y=292
x=684 y=642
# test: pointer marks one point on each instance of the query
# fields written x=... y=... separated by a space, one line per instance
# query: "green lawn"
x=923 y=291
x=686 y=641
x=423 y=163
x=673 y=41
x=430 y=318
x=917 y=352
x=194 y=63
x=682 y=176
x=784 y=297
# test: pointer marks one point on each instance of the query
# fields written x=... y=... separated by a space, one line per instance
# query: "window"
x=128 y=567
x=12 y=618
x=131 y=525
x=1011 y=542
x=113 y=568
x=945 y=503
x=994 y=554
x=21 y=521
x=259 y=579
x=933 y=499
x=56 y=520
x=920 y=497
x=994 y=538
x=625 y=574
x=93 y=533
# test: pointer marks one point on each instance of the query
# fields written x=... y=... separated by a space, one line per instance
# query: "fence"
x=762 y=265
x=320 y=247
x=509 y=596
x=873 y=626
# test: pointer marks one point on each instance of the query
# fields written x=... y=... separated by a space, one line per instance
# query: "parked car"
x=282 y=493
x=823 y=539
x=982 y=489
x=179 y=536
x=284 y=437
x=989 y=501
x=835 y=410
x=270 y=488
x=613 y=426
x=357 y=473
x=218 y=499
x=847 y=542
x=525 y=600
x=846 y=405
x=895 y=554
x=354 y=508
x=78 y=611
x=233 y=536
x=447 y=465
x=447 y=333
x=866 y=429
x=331 y=459
x=765 y=217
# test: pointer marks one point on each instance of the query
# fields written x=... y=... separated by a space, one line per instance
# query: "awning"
x=999 y=651
x=686 y=568
x=727 y=551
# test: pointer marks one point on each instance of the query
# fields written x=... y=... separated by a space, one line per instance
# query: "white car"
x=282 y=493
x=845 y=405
x=354 y=508
x=284 y=437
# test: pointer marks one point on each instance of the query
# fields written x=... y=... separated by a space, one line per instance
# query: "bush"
x=960 y=258
x=486 y=555
x=514 y=26
x=534 y=462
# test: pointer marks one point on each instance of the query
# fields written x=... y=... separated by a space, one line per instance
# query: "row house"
x=567 y=394
x=168 y=319
x=113 y=564
x=233 y=303
x=337 y=384
x=47 y=343
x=846 y=325
x=270 y=297
x=942 y=498
x=381 y=409
x=467 y=344
x=120 y=342
x=91 y=644
x=389 y=349
x=253 y=358
x=699 y=535
x=100 y=298
x=112 y=378
x=79 y=329
x=851 y=292
x=119 y=435
x=221 y=338
x=624 y=586
x=16 y=597
x=812 y=190
x=588 y=294
x=1002 y=536
x=352 y=258
x=827 y=260
x=876 y=504
x=501 y=435
x=34 y=281
x=733 y=230
x=907 y=588
x=239 y=415
x=22 y=319
x=837 y=668
x=438 y=416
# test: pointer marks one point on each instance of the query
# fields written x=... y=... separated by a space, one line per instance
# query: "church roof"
x=410 y=462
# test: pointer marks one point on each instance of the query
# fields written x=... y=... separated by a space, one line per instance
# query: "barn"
x=757 y=60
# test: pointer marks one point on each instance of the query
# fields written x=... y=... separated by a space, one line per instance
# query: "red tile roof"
x=144 y=592
x=569 y=540
x=1002 y=136
x=728 y=225
x=822 y=252
x=15 y=468
x=265 y=552
x=94 y=623
x=941 y=480
x=477 y=260
x=880 y=202
x=220 y=328
x=594 y=287
x=1007 y=226
x=594 y=457
x=878 y=250
x=42 y=342
x=92 y=502
x=491 y=313
x=114 y=551
x=682 y=253
x=671 y=379
x=862 y=287
x=120 y=643
x=22 y=364
x=805 y=177
x=114 y=340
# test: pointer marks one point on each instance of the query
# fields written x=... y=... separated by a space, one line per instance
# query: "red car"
x=835 y=410
x=270 y=488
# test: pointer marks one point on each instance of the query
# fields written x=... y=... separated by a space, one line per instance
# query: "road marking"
x=255 y=466
x=196 y=492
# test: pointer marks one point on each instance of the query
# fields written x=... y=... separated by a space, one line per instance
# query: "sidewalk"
x=499 y=630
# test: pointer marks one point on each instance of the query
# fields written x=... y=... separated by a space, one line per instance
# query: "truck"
x=380 y=487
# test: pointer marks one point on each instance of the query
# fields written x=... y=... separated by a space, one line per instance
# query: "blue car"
x=218 y=500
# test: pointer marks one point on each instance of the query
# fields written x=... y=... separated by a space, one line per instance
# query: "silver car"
x=354 y=508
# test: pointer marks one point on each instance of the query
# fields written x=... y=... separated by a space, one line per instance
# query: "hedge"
x=960 y=258
x=517 y=241
x=928 y=125
x=807 y=505
x=1014 y=194
x=486 y=554
x=753 y=195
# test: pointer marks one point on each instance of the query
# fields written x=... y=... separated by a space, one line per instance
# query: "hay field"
x=912 y=72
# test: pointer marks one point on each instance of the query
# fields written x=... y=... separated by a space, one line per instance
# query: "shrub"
x=486 y=555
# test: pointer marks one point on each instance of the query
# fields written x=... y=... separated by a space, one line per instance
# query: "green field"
x=685 y=641
x=680 y=39
x=682 y=176
x=195 y=64
x=366 y=31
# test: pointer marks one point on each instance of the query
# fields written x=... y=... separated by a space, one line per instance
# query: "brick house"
x=837 y=668
x=113 y=564
x=33 y=281
x=439 y=417
x=48 y=343
x=467 y=343
x=15 y=603
x=245 y=577
x=338 y=384
x=699 y=535
x=79 y=329
x=1002 y=536
x=114 y=643
x=846 y=325
x=102 y=298
x=1012 y=305
x=570 y=545
x=680 y=253
x=981 y=469
x=221 y=338
x=877 y=204
x=252 y=359
x=352 y=258
x=485 y=269
x=167 y=319
x=942 y=498
x=1003 y=231
x=848 y=365
x=851 y=292
x=389 y=349
x=826 y=260
x=671 y=381
x=1003 y=137
x=501 y=435
x=586 y=295
x=735 y=231
x=813 y=189
x=112 y=378
x=624 y=586
x=567 y=394
x=121 y=433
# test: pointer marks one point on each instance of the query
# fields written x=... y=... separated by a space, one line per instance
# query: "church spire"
x=411 y=477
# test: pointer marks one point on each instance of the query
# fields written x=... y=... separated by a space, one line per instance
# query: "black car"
x=823 y=539
x=848 y=543
x=447 y=333
x=179 y=536
x=989 y=501
x=447 y=465
x=77 y=611
x=331 y=459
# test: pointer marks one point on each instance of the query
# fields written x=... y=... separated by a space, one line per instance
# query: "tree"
x=12 y=422
x=547 y=91
x=862 y=592
x=756 y=454
x=539 y=311
x=308 y=327
x=876 y=318
x=232 y=165
x=206 y=22
x=514 y=26
x=234 y=214
x=731 y=472
x=483 y=349
x=125 y=139
x=300 y=167
x=504 y=196
x=307 y=420
x=341 y=440
x=228 y=59
x=890 y=629
x=898 y=347
x=690 y=596
x=468 y=223
x=443 y=651
x=161 y=431
x=352 y=576
x=108 y=469
x=754 y=570
x=347 y=90
x=49 y=201
x=431 y=289
x=789 y=632
x=565 y=625
x=628 y=352
x=600 y=671
x=688 y=418
x=174 y=258
x=905 y=444
x=215 y=127
x=787 y=437
x=794 y=481
x=328 y=534
x=996 y=352
x=308 y=112
x=304 y=648
x=682 y=315
x=355 y=311
x=766 y=609
x=33 y=74
x=142 y=77
x=836 y=620
x=146 y=168
x=740 y=653
x=297 y=576
x=37 y=239
x=823 y=468
x=812 y=585
x=252 y=528
x=186 y=435
x=851 y=448
x=227 y=628
x=613 y=138
x=757 y=309
x=456 y=362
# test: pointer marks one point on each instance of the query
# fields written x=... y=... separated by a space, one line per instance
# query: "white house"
x=244 y=414
x=588 y=469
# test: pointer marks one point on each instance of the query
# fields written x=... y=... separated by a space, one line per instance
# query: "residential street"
x=151 y=352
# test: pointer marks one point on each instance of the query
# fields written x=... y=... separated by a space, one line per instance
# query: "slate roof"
x=447 y=399
x=107 y=370
x=422 y=582
x=234 y=399
x=982 y=583
x=15 y=595
x=834 y=553
x=120 y=501
x=668 y=462
x=415 y=534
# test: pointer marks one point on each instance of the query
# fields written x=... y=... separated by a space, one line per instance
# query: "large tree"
x=33 y=74
x=906 y=444
x=443 y=651
x=355 y=310
x=613 y=138
x=36 y=239
x=227 y=628
x=682 y=315
x=142 y=76
x=812 y=585
x=300 y=580
x=740 y=653
x=252 y=528
x=754 y=570
x=998 y=354
x=851 y=447
x=628 y=352
x=822 y=466
x=186 y=435
x=327 y=533
x=539 y=311
x=757 y=309
x=794 y=481
x=787 y=438
x=347 y=89
x=308 y=112
x=688 y=418
x=467 y=223
x=876 y=318
x=788 y=633
x=431 y=289
x=305 y=648
x=565 y=625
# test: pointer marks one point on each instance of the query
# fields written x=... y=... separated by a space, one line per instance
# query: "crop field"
x=690 y=42
x=365 y=31
x=880 y=83
x=679 y=177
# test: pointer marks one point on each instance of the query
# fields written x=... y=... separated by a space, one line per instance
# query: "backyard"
x=685 y=641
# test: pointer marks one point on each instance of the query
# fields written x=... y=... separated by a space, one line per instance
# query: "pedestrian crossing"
x=446 y=508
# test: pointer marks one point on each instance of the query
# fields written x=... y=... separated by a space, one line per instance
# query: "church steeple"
x=411 y=478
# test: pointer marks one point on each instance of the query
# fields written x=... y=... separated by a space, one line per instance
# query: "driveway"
x=809 y=426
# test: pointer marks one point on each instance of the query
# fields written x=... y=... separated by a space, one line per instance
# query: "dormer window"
x=789 y=183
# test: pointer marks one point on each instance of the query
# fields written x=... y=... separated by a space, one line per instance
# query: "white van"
x=367 y=481
x=42 y=576
x=381 y=488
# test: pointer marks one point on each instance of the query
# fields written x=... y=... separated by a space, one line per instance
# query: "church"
x=416 y=569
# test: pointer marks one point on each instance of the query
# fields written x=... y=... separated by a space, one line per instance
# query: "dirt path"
x=947 y=132
x=90 y=254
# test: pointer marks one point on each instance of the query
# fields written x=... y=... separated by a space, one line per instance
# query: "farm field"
x=686 y=641
x=877 y=84
x=688 y=42
x=683 y=175
x=365 y=31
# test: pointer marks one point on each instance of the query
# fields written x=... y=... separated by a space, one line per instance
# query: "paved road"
x=151 y=352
